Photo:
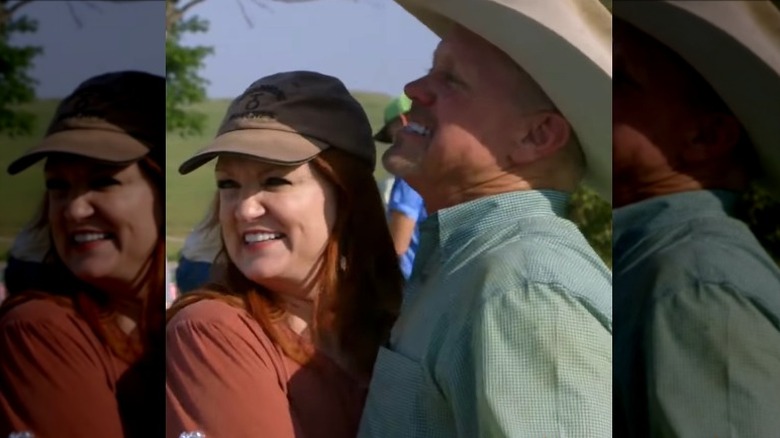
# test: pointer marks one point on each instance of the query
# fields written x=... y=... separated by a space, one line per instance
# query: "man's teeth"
x=418 y=129
x=89 y=237
x=261 y=237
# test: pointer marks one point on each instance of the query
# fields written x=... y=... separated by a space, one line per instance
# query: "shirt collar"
x=450 y=227
x=662 y=211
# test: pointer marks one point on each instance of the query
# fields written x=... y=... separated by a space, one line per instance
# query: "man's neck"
x=441 y=196
x=630 y=191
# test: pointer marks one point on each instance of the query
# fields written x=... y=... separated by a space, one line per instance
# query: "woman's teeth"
x=261 y=237
x=89 y=237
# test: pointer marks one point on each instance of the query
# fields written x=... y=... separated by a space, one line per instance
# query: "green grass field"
x=21 y=194
x=186 y=196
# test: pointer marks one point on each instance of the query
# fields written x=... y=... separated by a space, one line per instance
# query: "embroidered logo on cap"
x=83 y=106
x=262 y=96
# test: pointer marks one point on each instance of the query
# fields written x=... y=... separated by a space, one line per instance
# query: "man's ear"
x=546 y=134
x=716 y=135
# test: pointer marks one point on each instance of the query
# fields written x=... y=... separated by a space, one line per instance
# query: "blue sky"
x=372 y=45
x=115 y=37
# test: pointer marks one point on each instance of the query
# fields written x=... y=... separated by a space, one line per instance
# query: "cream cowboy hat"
x=735 y=47
x=564 y=45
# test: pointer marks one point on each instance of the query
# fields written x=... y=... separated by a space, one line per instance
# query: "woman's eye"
x=102 y=183
x=276 y=181
x=226 y=184
x=54 y=184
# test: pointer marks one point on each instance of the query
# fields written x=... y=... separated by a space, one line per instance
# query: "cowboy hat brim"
x=735 y=47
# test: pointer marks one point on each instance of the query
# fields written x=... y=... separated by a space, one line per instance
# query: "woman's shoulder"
x=51 y=326
x=220 y=324
x=208 y=310
x=35 y=308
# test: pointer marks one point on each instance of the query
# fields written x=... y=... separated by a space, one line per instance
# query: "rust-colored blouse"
x=58 y=380
x=227 y=379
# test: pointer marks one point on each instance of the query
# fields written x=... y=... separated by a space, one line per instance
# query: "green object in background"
x=398 y=106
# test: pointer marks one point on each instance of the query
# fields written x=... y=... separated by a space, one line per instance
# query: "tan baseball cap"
x=115 y=117
x=288 y=118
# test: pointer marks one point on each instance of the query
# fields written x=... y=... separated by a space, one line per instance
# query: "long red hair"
x=95 y=305
x=360 y=278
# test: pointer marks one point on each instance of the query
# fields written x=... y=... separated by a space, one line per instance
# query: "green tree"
x=593 y=216
x=182 y=65
x=185 y=85
x=760 y=210
x=17 y=87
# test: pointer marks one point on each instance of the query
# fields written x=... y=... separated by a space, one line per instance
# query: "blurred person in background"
x=405 y=206
x=24 y=269
x=199 y=251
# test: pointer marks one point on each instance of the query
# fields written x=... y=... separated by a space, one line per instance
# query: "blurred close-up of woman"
x=307 y=286
x=81 y=343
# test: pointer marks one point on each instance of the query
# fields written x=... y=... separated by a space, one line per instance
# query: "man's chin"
x=399 y=166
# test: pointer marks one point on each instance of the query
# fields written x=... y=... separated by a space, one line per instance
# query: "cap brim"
x=268 y=145
x=107 y=146
x=383 y=136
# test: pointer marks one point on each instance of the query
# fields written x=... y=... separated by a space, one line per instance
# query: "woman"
x=282 y=344
x=82 y=352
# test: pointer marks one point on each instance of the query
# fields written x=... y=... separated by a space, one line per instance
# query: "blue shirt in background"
x=408 y=202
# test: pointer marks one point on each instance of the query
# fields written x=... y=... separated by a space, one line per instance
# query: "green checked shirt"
x=697 y=327
x=505 y=330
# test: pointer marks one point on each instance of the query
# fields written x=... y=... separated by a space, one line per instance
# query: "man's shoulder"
x=542 y=257
x=703 y=254
x=534 y=263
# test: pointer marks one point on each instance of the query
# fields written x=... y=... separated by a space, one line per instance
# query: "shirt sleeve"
x=223 y=382
x=712 y=359
x=53 y=381
x=405 y=200
x=542 y=366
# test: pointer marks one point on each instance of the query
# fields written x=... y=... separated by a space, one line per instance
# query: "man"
x=697 y=325
x=505 y=329
x=405 y=206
